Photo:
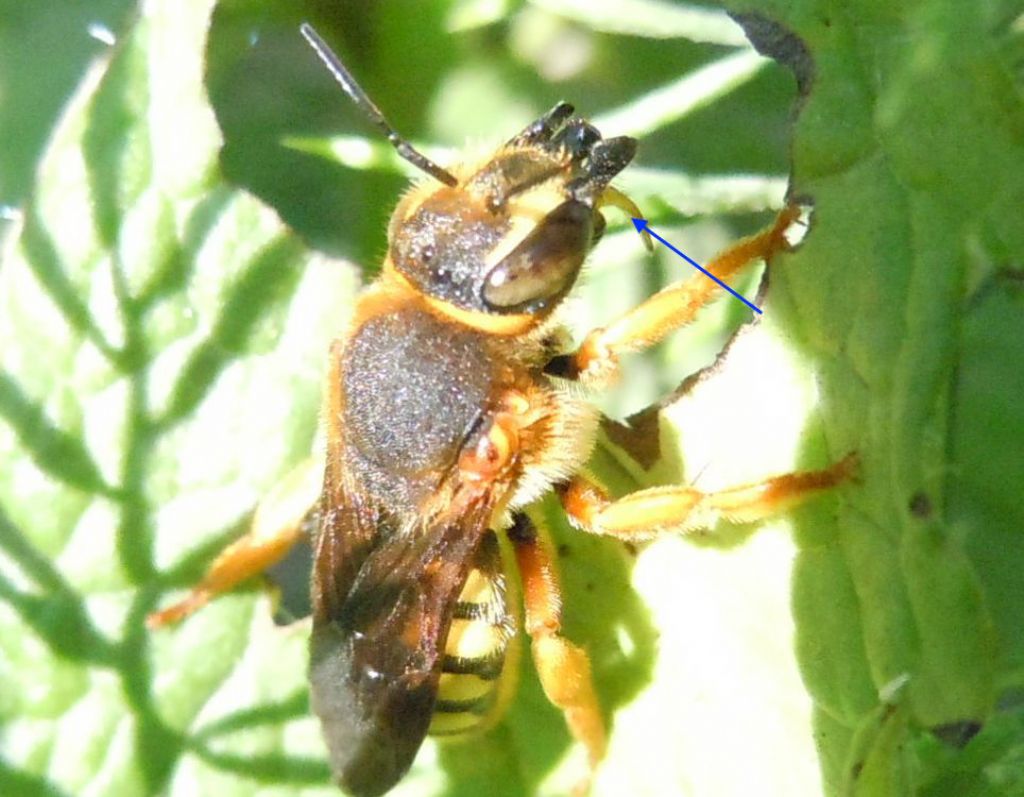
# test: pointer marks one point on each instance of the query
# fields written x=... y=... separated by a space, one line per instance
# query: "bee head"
x=509 y=237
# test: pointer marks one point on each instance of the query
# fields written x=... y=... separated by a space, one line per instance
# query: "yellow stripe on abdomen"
x=475 y=650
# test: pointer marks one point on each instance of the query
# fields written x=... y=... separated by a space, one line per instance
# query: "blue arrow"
x=641 y=226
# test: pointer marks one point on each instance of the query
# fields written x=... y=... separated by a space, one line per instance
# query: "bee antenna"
x=365 y=104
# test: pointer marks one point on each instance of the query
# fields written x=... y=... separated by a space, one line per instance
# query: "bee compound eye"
x=544 y=265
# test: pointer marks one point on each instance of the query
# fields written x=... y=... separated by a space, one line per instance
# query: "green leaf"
x=908 y=144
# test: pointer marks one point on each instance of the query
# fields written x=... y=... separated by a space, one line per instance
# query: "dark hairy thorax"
x=415 y=389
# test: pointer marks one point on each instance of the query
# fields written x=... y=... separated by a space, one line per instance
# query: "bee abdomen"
x=475 y=651
x=486 y=667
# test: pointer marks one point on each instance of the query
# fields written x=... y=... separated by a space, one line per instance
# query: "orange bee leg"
x=673 y=307
x=645 y=513
x=563 y=668
x=278 y=524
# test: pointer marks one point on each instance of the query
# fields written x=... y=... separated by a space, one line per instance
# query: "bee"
x=453 y=403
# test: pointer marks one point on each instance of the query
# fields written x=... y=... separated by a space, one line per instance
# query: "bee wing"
x=380 y=623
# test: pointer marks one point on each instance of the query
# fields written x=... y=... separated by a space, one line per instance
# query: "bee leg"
x=643 y=514
x=278 y=524
x=563 y=668
x=596 y=361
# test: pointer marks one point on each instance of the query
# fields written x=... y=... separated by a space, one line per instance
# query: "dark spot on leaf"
x=564 y=550
x=1011 y=700
x=921 y=506
x=1011 y=275
x=957 y=734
